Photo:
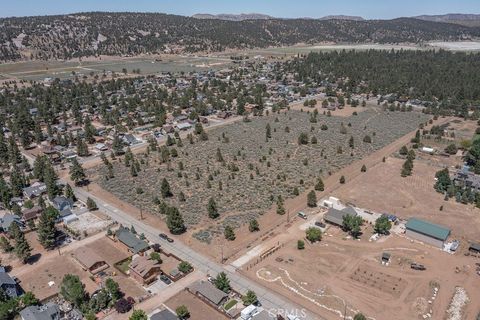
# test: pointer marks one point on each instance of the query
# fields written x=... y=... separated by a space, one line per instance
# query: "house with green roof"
x=427 y=232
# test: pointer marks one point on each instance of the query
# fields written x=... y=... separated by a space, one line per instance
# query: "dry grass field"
x=382 y=189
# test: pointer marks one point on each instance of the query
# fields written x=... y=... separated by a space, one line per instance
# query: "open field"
x=457 y=45
x=254 y=171
x=341 y=274
x=39 y=70
x=199 y=310
x=382 y=189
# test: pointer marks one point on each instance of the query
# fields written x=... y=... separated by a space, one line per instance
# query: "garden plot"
x=255 y=170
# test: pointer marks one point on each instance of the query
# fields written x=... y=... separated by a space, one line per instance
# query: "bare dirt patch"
x=382 y=189
x=338 y=273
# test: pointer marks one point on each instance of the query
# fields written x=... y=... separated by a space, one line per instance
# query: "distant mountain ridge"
x=131 y=33
x=458 y=18
x=260 y=16
x=233 y=17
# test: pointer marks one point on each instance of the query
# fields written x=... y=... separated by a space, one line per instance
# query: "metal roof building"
x=427 y=232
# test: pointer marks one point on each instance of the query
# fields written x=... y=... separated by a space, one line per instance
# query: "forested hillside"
x=428 y=75
x=87 y=34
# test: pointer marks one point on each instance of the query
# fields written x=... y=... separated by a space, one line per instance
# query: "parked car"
x=302 y=215
x=163 y=236
x=165 y=279
x=169 y=239
x=320 y=224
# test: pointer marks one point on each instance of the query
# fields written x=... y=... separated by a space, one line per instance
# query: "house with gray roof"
x=8 y=285
x=131 y=241
x=49 y=311
x=335 y=216
x=164 y=315
x=8 y=219
x=209 y=292
x=61 y=203
x=35 y=190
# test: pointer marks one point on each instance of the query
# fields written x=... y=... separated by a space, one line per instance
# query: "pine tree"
x=117 y=146
x=280 y=208
x=14 y=155
x=165 y=189
x=22 y=247
x=3 y=149
x=319 y=186
x=46 y=228
x=229 y=233
x=212 y=209
x=175 y=222
x=69 y=193
x=253 y=225
x=5 y=192
x=77 y=174
x=50 y=180
x=312 y=199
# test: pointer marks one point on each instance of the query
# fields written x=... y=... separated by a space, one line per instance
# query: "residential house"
x=130 y=140
x=130 y=240
x=144 y=270
x=208 y=292
x=32 y=214
x=8 y=219
x=8 y=285
x=89 y=260
x=49 y=311
x=35 y=190
x=61 y=203
x=467 y=179
x=335 y=216
x=164 y=315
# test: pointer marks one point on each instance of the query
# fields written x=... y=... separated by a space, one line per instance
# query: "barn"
x=427 y=232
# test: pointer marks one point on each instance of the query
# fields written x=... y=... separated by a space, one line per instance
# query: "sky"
x=370 y=9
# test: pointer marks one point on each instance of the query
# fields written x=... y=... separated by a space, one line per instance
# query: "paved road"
x=269 y=299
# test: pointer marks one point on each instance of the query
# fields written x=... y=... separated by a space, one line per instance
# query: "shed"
x=427 y=232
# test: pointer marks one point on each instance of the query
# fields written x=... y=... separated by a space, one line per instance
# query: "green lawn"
x=230 y=304
x=124 y=265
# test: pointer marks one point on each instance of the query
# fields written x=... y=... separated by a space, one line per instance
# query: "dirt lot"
x=114 y=252
x=341 y=273
x=109 y=250
x=198 y=309
x=54 y=270
x=382 y=189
